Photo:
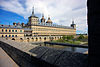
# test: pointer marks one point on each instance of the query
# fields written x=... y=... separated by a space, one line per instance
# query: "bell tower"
x=73 y=25
x=33 y=20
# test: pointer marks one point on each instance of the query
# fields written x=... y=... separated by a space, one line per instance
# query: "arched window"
x=15 y=30
x=13 y=39
x=9 y=30
x=2 y=30
x=12 y=35
x=32 y=39
x=45 y=38
x=27 y=38
x=9 y=35
x=40 y=37
x=21 y=38
x=6 y=36
x=2 y=36
x=36 y=39
x=15 y=35
x=12 y=30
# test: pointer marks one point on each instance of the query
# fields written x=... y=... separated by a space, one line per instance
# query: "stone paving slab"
x=5 y=60
x=69 y=59
x=51 y=55
x=20 y=45
x=38 y=51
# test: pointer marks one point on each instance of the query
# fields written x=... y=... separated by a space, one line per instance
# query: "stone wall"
x=34 y=39
x=26 y=55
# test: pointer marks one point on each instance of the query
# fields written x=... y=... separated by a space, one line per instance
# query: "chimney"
x=2 y=25
x=18 y=23
x=23 y=24
x=14 y=23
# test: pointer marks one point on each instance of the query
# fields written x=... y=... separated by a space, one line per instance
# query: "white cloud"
x=60 y=11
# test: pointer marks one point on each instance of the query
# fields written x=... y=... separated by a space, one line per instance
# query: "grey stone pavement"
x=23 y=46
x=5 y=60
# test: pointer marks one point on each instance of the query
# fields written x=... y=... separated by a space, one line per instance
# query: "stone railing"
x=27 y=55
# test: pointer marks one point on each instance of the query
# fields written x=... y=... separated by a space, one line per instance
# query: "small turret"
x=18 y=23
x=73 y=25
x=42 y=19
x=22 y=24
x=14 y=23
x=49 y=21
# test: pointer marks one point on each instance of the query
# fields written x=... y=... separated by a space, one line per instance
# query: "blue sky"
x=62 y=12
x=7 y=17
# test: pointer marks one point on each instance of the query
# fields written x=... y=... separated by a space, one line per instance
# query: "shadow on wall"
x=59 y=57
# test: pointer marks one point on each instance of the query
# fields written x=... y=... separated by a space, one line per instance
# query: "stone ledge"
x=43 y=56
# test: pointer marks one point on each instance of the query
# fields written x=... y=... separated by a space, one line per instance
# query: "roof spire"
x=48 y=17
x=42 y=15
x=33 y=11
x=73 y=21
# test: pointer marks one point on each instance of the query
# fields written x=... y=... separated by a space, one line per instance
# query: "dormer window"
x=2 y=25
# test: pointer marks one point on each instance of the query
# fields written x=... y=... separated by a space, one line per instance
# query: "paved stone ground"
x=5 y=60
x=20 y=45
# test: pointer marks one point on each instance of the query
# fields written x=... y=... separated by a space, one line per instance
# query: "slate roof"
x=10 y=26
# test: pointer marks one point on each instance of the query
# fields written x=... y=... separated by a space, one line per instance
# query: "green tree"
x=64 y=37
x=81 y=37
x=70 y=37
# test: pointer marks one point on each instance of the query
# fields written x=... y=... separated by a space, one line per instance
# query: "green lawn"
x=71 y=40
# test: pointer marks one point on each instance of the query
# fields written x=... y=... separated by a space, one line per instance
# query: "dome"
x=49 y=20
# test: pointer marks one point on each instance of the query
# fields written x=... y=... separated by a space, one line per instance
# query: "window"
x=9 y=35
x=15 y=35
x=45 y=38
x=6 y=36
x=6 y=30
x=12 y=35
x=2 y=30
x=20 y=30
x=12 y=30
x=2 y=35
x=15 y=30
x=9 y=30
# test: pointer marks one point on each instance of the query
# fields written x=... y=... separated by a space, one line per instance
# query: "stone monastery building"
x=36 y=31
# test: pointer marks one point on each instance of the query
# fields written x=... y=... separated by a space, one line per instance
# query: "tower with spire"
x=33 y=20
x=33 y=11
x=73 y=25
